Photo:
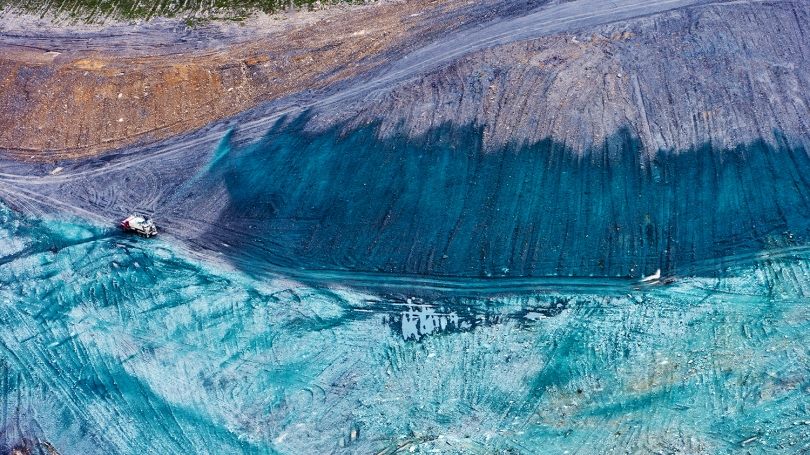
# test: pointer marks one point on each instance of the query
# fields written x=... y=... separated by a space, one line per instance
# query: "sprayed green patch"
x=193 y=12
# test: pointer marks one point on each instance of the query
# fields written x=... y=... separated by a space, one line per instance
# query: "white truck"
x=139 y=224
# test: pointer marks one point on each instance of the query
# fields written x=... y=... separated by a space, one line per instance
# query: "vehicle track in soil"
x=96 y=188
x=550 y=20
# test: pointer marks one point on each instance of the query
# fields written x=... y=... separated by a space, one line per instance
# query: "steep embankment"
x=717 y=74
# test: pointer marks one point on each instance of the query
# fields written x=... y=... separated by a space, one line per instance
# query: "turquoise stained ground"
x=441 y=203
x=118 y=345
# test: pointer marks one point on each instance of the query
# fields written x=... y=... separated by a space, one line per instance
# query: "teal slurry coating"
x=441 y=204
x=112 y=344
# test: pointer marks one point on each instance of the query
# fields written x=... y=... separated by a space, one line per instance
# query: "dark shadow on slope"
x=440 y=205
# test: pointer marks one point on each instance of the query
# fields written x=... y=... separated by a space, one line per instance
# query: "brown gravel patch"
x=83 y=103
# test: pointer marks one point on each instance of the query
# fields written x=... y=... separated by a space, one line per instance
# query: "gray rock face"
x=719 y=74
